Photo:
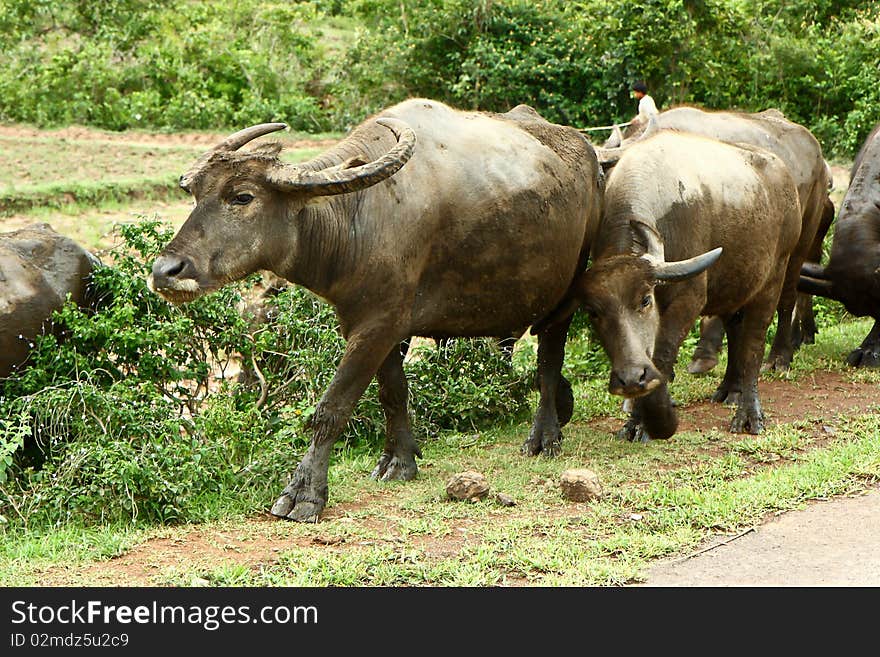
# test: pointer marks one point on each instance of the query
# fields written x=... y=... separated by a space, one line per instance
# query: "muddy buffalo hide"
x=38 y=269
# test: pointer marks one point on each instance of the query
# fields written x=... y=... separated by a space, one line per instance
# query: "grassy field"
x=660 y=499
x=74 y=170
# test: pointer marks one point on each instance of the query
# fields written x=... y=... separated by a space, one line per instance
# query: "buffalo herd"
x=430 y=221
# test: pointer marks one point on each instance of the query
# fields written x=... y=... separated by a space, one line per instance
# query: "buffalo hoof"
x=633 y=432
x=300 y=511
x=777 y=363
x=548 y=443
x=701 y=365
x=747 y=421
x=392 y=467
x=296 y=503
x=865 y=357
x=726 y=396
x=564 y=402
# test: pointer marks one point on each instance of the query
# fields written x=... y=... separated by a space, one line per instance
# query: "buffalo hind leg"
x=868 y=353
x=706 y=352
x=804 y=327
x=305 y=496
x=546 y=434
x=750 y=339
x=803 y=324
x=398 y=460
x=782 y=349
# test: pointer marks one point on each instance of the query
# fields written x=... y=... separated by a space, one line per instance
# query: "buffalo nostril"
x=174 y=268
x=167 y=268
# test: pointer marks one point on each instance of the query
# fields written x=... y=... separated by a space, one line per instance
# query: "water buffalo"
x=801 y=152
x=38 y=270
x=676 y=203
x=852 y=275
x=424 y=221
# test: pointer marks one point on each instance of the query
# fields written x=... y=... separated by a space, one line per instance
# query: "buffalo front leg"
x=653 y=415
x=306 y=495
x=398 y=460
x=556 y=399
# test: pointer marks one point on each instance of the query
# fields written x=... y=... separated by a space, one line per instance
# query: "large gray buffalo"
x=796 y=146
x=852 y=275
x=424 y=221
x=38 y=270
x=676 y=203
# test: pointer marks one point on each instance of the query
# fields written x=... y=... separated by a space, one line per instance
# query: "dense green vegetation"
x=326 y=65
x=134 y=412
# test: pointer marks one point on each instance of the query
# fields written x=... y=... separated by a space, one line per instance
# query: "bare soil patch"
x=200 y=139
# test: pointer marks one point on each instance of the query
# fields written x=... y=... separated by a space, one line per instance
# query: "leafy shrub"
x=466 y=384
x=319 y=65
x=136 y=413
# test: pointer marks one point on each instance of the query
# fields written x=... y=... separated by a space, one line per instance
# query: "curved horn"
x=668 y=272
x=232 y=143
x=342 y=181
x=817 y=287
x=814 y=270
x=608 y=157
x=238 y=139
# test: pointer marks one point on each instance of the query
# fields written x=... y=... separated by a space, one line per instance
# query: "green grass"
x=661 y=499
x=74 y=174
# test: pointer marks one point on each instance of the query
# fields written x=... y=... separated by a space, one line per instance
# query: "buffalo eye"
x=242 y=199
x=646 y=301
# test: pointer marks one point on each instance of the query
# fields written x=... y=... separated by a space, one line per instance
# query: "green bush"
x=137 y=412
x=321 y=66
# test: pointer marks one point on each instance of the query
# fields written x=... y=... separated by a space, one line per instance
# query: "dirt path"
x=202 y=139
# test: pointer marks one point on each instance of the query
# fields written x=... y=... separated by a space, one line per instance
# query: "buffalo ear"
x=566 y=308
x=669 y=272
x=352 y=162
x=269 y=149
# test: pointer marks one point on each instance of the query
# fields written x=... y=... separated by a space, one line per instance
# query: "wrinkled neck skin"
x=326 y=241
x=323 y=243
x=615 y=235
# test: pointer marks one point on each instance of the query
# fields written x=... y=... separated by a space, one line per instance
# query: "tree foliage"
x=326 y=65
